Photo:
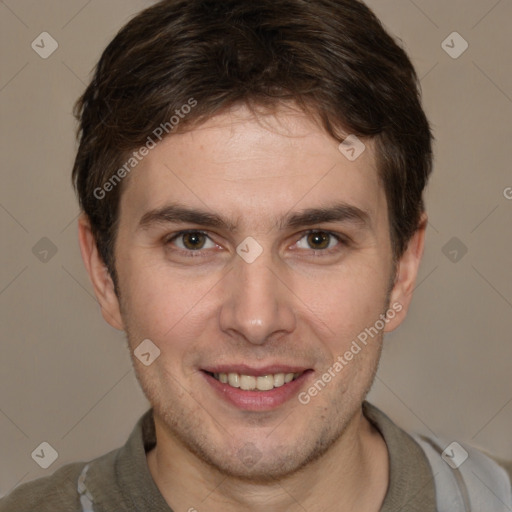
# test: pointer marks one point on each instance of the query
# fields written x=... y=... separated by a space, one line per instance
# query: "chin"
x=260 y=463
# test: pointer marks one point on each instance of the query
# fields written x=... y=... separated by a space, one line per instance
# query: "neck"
x=357 y=483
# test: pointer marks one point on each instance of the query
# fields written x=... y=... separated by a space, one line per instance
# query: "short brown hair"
x=332 y=58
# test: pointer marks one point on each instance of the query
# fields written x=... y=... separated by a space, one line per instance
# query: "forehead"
x=253 y=168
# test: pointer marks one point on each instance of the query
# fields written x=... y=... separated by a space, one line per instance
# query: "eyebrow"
x=176 y=213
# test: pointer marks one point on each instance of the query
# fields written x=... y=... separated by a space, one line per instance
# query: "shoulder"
x=505 y=464
x=55 y=493
x=457 y=475
x=72 y=487
x=464 y=474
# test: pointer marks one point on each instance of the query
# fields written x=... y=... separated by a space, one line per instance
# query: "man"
x=251 y=178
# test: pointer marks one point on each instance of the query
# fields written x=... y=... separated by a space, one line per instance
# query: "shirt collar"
x=411 y=483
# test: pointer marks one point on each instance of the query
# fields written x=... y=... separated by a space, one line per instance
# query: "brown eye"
x=191 y=241
x=318 y=240
x=194 y=241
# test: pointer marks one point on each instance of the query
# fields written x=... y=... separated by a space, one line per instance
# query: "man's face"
x=317 y=284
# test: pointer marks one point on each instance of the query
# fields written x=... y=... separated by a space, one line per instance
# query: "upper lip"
x=243 y=369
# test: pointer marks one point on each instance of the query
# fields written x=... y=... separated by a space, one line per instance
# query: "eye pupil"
x=193 y=240
x=318 y=240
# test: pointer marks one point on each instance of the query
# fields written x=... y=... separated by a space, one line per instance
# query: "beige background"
x=65 y=375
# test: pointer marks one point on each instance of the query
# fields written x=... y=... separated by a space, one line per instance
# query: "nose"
x=258 y=305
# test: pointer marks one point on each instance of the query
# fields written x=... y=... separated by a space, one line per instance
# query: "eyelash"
x=343 y=241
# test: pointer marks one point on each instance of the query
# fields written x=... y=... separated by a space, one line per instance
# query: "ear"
x=99 y=275
x=405 y=278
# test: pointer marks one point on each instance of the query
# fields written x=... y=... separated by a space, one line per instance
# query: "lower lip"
x=258 y=400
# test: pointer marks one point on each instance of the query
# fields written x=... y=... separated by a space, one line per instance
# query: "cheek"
x=345 y=301
x=160 y=305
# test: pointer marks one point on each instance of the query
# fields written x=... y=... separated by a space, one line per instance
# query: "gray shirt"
x=120 y=481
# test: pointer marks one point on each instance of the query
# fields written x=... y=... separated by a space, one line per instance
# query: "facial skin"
x=298 y=304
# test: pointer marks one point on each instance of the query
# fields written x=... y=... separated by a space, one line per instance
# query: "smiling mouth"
x=253 y=383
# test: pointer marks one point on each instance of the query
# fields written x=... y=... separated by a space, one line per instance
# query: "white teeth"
x=233 y=379
x=261 y=383
x=278 y=380
x=247 y=382
x=265 y=382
